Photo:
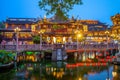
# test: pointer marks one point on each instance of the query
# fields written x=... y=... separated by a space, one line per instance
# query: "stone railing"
x=91 y=46
x=54 y=46
x=25 y=47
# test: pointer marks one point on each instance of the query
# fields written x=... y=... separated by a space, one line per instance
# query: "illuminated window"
x=85 y=27
x=95 y=33
x=33 y=27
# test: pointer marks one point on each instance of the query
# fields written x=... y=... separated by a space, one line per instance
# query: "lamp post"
x=106 y=32
x=117 y=37
x=78 y=35
x=17 y=30
x=77 y=32
x=41 y=32
x=119 y=43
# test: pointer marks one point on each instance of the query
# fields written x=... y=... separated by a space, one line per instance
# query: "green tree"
x=36 y=39
x=2 y=25
x=59 y=7
x=6 y=57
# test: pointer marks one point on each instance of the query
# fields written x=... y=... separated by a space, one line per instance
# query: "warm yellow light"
x=29 y=68
x=79 y=35
x=17 y=29
x=106 y=32
x=93 y=56
x=84 y=57
x=41 y=31
x=114 y=73
x=54 y=39
x=76 y=32
x=33 y=27
x=80 y=78
x=54 y=73
x=52 y=69
x=64 y=39
x=113 y=35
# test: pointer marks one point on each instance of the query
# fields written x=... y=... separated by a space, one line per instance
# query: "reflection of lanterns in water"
x=114 y=74
x=52 y=69
x=93 y=56
x=31 y=57
x=54 y=73
x=80 y=78
x=83 y=56
x=30 y=68
x=61 y=69
x=116 y=67
x=58 y=74
x=46 y=69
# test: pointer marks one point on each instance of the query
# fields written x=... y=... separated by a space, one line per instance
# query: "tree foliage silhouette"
x=58 y=7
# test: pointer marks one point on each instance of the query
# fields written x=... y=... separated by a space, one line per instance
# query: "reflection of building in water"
x=53 y=71
x=116 y=72
x=28 y=56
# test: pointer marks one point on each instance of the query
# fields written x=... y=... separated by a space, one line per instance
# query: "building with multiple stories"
x=116 y=26
x=53 y=30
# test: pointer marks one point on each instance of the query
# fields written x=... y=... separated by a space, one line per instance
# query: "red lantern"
x=108 y=57
x=98 y=64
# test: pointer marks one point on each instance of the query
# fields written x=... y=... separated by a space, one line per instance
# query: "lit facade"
x=55 y=30
x=116 y=26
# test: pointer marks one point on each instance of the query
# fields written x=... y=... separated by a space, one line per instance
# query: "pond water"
x=59 y=71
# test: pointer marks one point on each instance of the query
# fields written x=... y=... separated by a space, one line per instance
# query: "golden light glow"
x=107 y=32
x=64 y=39
x=80 y=78
x=93 y=56
x=85 y=28
x=114 y=73
x=54 y=39
x=30 y=68
x=33 y=28
x=17 y=29
x=84 y=57
x=79 y=35
x=113 y=35
x=41 y=31
x=58 y=74
x=76 y=31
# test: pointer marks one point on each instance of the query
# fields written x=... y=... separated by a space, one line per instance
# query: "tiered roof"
x=21 y=20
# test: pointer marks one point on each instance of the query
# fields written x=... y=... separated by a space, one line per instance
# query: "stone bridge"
x=37 y=47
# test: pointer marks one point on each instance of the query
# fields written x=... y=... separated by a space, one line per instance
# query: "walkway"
x=68 y=47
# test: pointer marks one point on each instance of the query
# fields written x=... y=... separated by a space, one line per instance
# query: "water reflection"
x=59 y=71
x=116 y=72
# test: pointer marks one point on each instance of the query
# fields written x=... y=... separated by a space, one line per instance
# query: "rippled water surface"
x=59 y=71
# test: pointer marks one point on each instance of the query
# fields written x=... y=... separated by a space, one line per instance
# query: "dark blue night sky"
x=91 y=9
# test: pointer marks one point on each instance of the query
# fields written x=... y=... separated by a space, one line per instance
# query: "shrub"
x=6 y=57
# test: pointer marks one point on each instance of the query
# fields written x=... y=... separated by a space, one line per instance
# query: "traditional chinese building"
x=116 y=24
x=54 y=30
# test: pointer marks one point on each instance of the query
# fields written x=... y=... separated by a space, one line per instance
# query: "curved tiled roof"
x=21 y=20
